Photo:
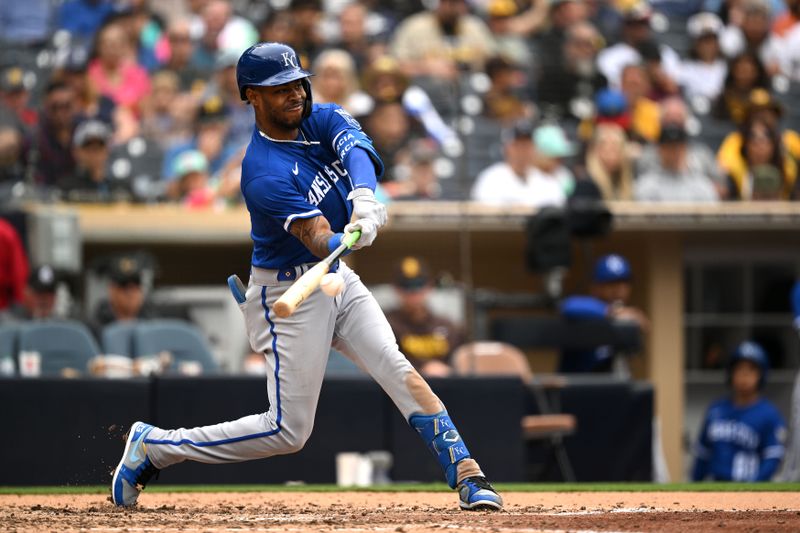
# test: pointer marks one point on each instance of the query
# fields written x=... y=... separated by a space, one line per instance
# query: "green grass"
x=432 y=487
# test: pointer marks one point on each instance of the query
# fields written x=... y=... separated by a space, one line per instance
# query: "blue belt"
x=263 y=275
x=292 y=273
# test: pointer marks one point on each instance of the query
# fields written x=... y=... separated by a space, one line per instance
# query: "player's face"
x=615 y=291
x=745 y=376
x=280 y=106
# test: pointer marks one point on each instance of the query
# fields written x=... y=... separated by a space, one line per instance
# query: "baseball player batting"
x=308 y=179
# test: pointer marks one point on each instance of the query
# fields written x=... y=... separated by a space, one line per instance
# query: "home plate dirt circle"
x=409 y=512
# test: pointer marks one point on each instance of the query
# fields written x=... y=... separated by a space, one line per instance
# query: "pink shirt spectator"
x=130 y=86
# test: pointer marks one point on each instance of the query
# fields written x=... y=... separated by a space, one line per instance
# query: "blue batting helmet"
x=753 y=352
x=270 y=64
x=611 y=267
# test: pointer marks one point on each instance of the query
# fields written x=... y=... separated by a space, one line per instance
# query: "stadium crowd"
x=498 y=100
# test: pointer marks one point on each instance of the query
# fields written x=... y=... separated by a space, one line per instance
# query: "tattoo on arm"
x=314 y=233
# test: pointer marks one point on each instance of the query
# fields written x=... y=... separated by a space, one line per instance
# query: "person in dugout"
x=743 y=434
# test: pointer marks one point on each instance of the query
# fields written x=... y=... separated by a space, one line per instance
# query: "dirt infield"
x=404 y=512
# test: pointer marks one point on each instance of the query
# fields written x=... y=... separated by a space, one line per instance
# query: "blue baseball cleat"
x=476 y=494
x=134 y=469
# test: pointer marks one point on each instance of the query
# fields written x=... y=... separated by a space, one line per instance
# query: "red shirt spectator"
x=114 y=72
x=13 y=266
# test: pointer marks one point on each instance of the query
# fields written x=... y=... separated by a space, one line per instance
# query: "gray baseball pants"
x=296 y=350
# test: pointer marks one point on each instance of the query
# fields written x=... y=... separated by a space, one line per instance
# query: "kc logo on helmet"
x=289 y=59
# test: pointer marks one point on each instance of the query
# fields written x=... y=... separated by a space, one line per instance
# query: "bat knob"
x=282 y=309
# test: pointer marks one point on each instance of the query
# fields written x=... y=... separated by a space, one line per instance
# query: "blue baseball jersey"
x=285 y=181
x=740 y=443
x=584 y=361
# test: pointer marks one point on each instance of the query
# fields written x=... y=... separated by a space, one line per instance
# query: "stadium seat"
x=138 y=162
x=8 y=346
x=502 y=359
x=117 y=338
x=340 y=366
x=181 y=339
x=64 y=346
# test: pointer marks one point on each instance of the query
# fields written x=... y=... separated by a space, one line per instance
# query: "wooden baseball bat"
x=300 y=289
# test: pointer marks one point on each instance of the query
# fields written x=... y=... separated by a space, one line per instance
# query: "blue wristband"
x=335 y=241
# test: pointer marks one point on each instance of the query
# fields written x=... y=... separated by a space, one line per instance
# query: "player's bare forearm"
x=314 y=233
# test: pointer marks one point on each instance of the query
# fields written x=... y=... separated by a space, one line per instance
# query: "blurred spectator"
x=674 y=112
x=191 y=185
x=354 y=37
x=635 y=32
x=395 y=10
x=608 y=163
x=224 y=86
x=503 y=18
x=306 y=16
x=785 y=22
x=147 y=32
x=790 y=49
x=677 y=177
x=703 y=73
x=611 y=107
x=742 y=437
x=438 y=43
x=563 y=15
x=516 y=180
x=12 y=168
x=113 y=71
x=765 y=171
x=427 y=340
x=25 y=24
x=636 y=86
x=551 y=147
x=53 y=141
x=39 y=302
x=391 y=129
x=223 y=31
x=278 y=27
x=745 y=73
x=335 y=81
x=418 y=179
x=92 y=180
x=180 y=60
x=166 y=113
x=663 y=84
x=760 y=106
x=15 y=97
x=90 y=104
x=384 y=81
x=567 y=87
x=211 y=138
x=228 y=180
x=753 y=35
x=13 y=266
x=83 y=18
x=126 y=299
x=609 y=298
x=523 y=19
x=94 y=105
x=503 y=101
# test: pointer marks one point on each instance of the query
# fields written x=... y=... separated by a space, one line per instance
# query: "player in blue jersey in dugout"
x=308 y=178
x=742 y=437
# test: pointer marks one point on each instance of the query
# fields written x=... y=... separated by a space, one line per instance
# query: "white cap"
x=703 y=24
